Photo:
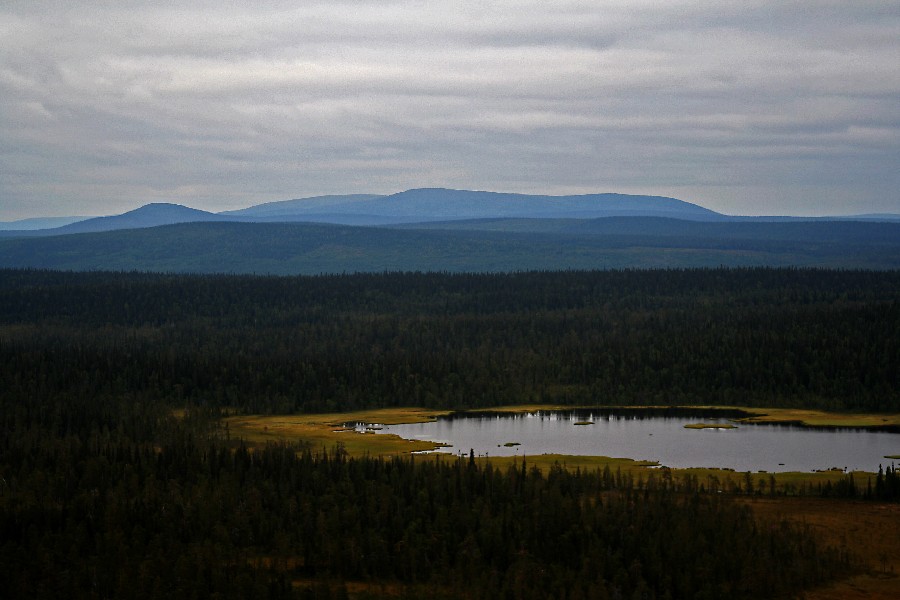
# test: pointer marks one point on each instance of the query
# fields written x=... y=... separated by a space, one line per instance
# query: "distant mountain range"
x=450 y=230
x=411 y=206
x=426 y=205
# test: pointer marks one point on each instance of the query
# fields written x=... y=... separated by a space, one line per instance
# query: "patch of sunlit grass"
x=818 y=418
x=326 y=431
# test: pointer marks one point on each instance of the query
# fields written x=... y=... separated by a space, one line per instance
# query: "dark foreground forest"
x=107 y=492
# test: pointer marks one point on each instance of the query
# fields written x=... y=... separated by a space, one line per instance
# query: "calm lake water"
x=660 y=438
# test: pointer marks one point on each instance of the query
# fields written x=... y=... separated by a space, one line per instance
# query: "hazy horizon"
x=759 y=108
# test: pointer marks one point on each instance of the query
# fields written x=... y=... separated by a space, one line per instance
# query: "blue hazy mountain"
x=36 y=223
x=874 y=217
x=303 y=206
x=412 y=206
x=470 y=209
x=438 y=204
x=150 y=215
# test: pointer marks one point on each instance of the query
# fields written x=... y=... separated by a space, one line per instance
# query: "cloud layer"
x=747 y=107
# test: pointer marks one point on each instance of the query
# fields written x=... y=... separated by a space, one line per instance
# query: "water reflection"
x=658 y=435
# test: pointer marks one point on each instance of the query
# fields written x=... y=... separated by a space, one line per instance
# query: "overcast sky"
x=744 y=106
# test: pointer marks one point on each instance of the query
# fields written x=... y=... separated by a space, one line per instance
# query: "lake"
x=658 y=436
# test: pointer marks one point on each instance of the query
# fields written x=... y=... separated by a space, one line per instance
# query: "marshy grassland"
x=318 y=431
x=325 y=431
x=819 y=418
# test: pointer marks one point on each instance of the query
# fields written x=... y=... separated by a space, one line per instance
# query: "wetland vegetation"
x=670 y=436
x=178 y=436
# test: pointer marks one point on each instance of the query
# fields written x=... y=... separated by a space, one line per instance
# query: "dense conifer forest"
x=107 y=518
x=115 y=481
x=753 y=337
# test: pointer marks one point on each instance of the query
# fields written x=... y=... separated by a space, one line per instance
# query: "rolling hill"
x=150 y=215
x=303 y=248
x=302 y=206
x=449 y=230
x=438 y=204
x=411 y=206
x=476 y=210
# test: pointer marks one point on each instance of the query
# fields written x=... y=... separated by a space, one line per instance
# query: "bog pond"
x=657 y=436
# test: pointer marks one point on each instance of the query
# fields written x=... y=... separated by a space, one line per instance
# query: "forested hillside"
x=493 y=246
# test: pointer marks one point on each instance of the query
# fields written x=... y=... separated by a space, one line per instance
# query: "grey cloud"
x=115 y=104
